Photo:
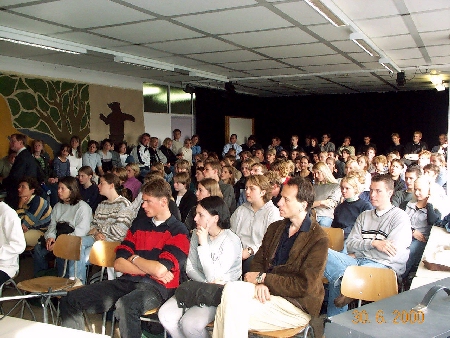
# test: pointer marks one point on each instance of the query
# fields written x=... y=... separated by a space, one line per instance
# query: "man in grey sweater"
x=380 y=238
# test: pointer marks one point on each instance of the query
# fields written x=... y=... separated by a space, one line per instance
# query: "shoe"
x=342 y=301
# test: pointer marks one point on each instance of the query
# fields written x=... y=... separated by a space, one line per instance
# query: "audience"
x=74 y=157
x=132 y=182
x=184 y=198
x=88 y=188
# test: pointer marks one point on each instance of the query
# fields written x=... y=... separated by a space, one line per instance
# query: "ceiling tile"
x=276 y=37
x=404 y=54
x=331 y=33
x=317 y=60
x=422 y=6
x=310 y=49
x=87 y=39
x=140 y=51
x=383 y=27
x=394 y=42
x=443 y=50
x=432 y=21
x=176 y=7
x=370 y=9
x=189 y=46
x=93 y=13
x=180 y=60
x=331 y=68
x=223 y=57
x=13 y=20
x=302 y=13
x=142 y=32
x=436 y=38
x=237 y=20
x=275 y=72
x=261 y=64
x=347 y=46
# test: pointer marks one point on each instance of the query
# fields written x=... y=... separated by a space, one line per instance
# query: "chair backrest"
x=369 y=283
x=103 y=253
x=67 y=247
x=335 y=238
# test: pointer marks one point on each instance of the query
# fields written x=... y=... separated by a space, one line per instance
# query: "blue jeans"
x=337 y=262
x=86 y=246
x=40 y=262
x=415 y=254
x=324 y=221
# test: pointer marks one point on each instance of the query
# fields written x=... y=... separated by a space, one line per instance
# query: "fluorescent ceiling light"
x=40 y=41
x=359 y=40
x=436 y=79
x=210 y=76
x=146 y=63
x=440 y=87
x=389 y=65
x=326 y=12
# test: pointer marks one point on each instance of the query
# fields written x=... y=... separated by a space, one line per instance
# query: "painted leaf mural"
x=50 y=110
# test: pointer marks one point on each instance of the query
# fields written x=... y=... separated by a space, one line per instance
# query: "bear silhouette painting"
x=116 y=120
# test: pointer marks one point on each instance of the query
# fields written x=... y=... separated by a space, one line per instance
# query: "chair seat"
x=42 y=284
x=150 y=312
x=280 y=333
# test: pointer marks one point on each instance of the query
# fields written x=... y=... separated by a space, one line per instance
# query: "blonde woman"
x=132 y=182
x=327 y=194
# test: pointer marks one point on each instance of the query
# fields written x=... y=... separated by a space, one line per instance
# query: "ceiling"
x=264 y=47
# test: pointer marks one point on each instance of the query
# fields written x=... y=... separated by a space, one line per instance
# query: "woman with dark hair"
x=61 y=168
x=75 y=155
x=214 y=257
x=88 y=188
x=71 y=215
x=106 y=155
x=125 y=158
x=33 y=210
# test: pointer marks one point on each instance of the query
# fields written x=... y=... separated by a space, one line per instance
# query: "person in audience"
x=75 y=159
x=141 y=154
x=271 y=155
x=276 y=186
x=276 y=145
x=156 y=155
x=195 y=147
x=125 y=158
x=351 y=165
x=371 y=152
x=166 y=149
x=345 y=213
x=176 y=143
x=380 y=238
x=42 y=159
x=326 y=145
x=423 y=213
x=92 y=159
x=294 y=143
x=284 y=286
x=71 y=215
x=24 y=165
x=331 y=164
x=259 y=154
x=205 y=188
x=404 y=196
x=346 y=145
x=214 y=257
x=6 y=164
x=396 y=146
x=232 y=145
x=111 y=221
x=106 y=155
x=88 y=188
x=284 y=154
x=251 y=219
x=184 y=198
x=304 y=169
x=12 y=242
x=395 y=170
x=151 y=257
x=345 y=155
x=412 y=149
x=132 y=182
x=34 y=211
x=258 y=169
x=442 y=147
x=364 y=148
x=363 y=162
x=186 y=151
x=294 y=154
x=239 y=187
x=227 y=176
x=327 y=194
x=115 y=157
x=250 y=145
x=61 y=168
x=439 y=160
x=199 y=172
x=380 y=164
x=213 y=170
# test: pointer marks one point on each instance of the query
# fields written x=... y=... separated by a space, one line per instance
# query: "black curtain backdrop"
x=356 y=115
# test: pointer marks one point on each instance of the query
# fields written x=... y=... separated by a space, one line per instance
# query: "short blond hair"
x=135 y=168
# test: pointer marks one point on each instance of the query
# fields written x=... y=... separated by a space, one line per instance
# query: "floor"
x=26 y=272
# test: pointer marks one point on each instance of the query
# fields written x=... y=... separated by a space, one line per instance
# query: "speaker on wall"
x=401 y=80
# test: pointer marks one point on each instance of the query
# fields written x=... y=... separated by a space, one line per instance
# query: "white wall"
x=158 y=125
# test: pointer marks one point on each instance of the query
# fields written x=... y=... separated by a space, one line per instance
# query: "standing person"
x=61 y=168
x=24 y=165
x=214 y=257
x=71 y=215
x=75 y=159
x=176 y=143
x=12 y=242
x=284 y=288
x=251 y=219
x=327 y=194
x=42 y=158
x=93 y=159
x=151 y=257
x=88 y=188
x=326 y=145
x=195 y=147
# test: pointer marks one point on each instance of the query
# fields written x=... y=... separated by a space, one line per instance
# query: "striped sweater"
x=36 y=214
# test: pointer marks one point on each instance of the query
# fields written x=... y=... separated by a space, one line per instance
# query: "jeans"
x=131 y=300
x=40 y=262
x=415 y=254
x=324 y=221
x=337 y=262
x=86 y=246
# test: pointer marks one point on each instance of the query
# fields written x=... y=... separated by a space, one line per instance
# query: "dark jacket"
x=299 y=280
x=187 y=202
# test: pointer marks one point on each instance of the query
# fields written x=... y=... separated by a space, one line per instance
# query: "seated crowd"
x=250 y=220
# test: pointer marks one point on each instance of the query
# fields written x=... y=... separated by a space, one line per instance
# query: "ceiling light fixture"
x=389 y=65
x=40 y=41
x=146 y=63
x=440 y=87
x=210 y=76
x=326 y=12
x=362 y=43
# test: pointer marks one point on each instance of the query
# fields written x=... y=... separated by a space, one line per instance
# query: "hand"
x=245 y=254
x=251 y=277
x=24 y=228
x=99 y=236
x=262 y=293
x=23 y=201
x=50 y=243
x=385 y=246
x=419 y=236
x=202 y=235
x=168 y=276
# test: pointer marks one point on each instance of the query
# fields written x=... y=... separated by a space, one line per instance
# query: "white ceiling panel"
x=92 y=13
x=436 y=38
x=423 y=6
x=189 y=46
x=310 y=49
x=347 y=46
x=443 y=50
x=276 y=37
x=15 y=2
x=369 y=9
x=330 y=68
x=301 y=12
x=259 y=64
x=224 y=57
x=404 y=54
x=375 y=28
x=317 y=60
x=237 y=20
x=395 y=42
x=275 y=72
x=87 y=39
x=180 y=60
x=432 y=21
x=16 y=21
x=141 y=51
x=331 y=33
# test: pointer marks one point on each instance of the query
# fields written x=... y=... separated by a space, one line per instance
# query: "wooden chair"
x=369 y=283
x=103 y=254
x=306 y=331
x=335 y=241
x=68 y=248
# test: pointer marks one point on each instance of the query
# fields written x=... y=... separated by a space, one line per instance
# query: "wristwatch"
x=250 y=251
x=259 y=278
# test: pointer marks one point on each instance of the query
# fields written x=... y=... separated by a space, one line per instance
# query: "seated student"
x=276 y=186
x=132 y=181
x=380 y=238
x=88 y=188
x=214 y=257
x=432 y=172
x=239 y=187
x=42 y=158
x=251 y=219
x=106 y=155
x=92 y=159
x=184 y=198
x=405 y=195
x=228 y=175
x=423 y=212
x=166 y=149
x=151 y=257
x=34 y=211
x=12 y=242
x=213 y=170
x=284 y=288
x=61 y=168
x=125 y=158
x=439 y=160
x=111 y=221
x=395 y=170
x=258 y=169
x=379 y=164
x=70 y=215
x=184 y=166
x=271 y=156
x=424 y=158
